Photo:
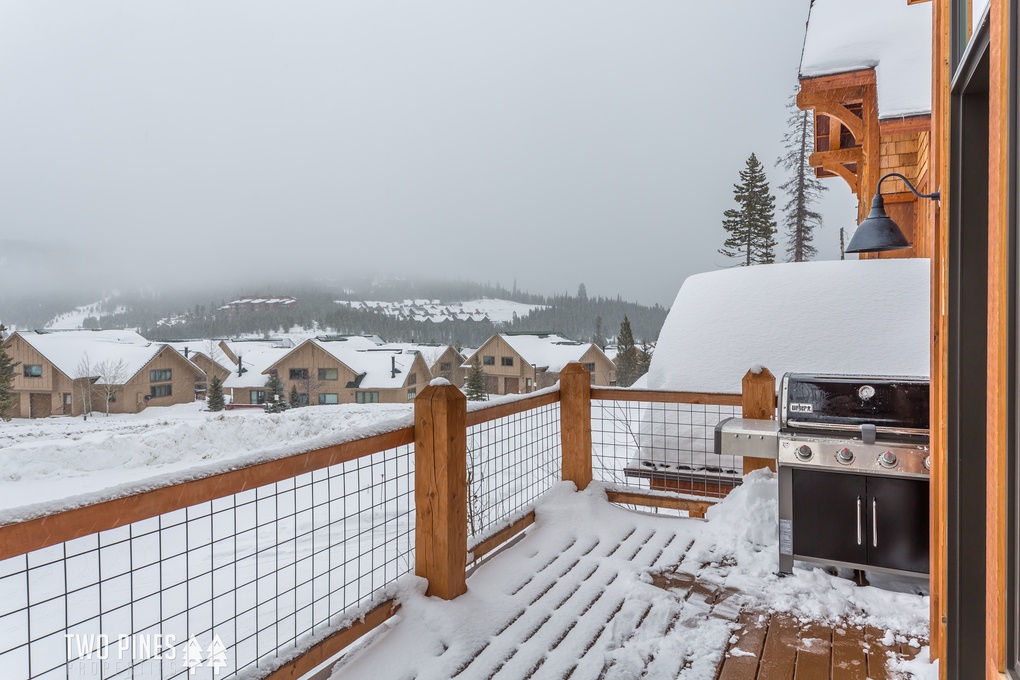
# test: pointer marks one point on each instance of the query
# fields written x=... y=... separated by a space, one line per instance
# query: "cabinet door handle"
x=858 y=520
x=874 y=522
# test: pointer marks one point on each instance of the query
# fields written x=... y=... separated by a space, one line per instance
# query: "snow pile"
x=892 y=37
x=855 y=316
x=54 y=464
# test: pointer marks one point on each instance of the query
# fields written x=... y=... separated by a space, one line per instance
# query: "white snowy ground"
x=54 y=463
x=525 y=606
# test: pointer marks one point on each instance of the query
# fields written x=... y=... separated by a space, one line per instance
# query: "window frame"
x=161 y=391
x=488 y=360
x=324 y=374
x=155 y=375
x=298 y=374
x=32 y=374
x=324 y=398
x=506 y=362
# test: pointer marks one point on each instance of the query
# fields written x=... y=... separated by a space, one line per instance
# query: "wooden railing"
x=440 y=490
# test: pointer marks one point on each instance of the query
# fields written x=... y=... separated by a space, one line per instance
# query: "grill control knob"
x=845 y=456
x=804 y=452
x=927 y=462
x=887 y=459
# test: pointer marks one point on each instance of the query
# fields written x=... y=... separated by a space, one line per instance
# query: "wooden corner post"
x=440 y=492
x=758 y=401
x=575 y=424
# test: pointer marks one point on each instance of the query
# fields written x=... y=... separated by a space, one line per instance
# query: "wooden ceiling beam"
x=833 y=108
x=838 y=81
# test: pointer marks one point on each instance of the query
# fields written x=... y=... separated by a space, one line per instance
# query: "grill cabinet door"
x=898 y=523
x=826 y=516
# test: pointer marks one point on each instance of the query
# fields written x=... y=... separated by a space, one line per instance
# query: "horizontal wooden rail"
x=42 y=532
x=661 y=396
x=496 y=411
x=696 y=508
x=502 y=536
x=335 y=643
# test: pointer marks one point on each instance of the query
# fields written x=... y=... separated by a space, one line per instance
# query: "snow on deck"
x=576 y=598
x=891 y=36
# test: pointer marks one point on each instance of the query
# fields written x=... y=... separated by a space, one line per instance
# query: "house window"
x=506 y=361
x=157 y=391
x=161 y=375
x=329 y=374
x=329 y=399
x=366 y=397
x=445 y=366
x=590 y=367
x=67 y=399
x=302 y=399
x=412 y=378
x=257 y=396
x=299 y=374
x=488 y=361
x=33 y=370
x=412 y=393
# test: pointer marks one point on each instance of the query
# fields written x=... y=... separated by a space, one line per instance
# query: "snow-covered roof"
x=66 y=350
x=430 y=353
x=546 y=350
x=857 y=316
x=381 y=368
x=255 y=358
x=890 y=36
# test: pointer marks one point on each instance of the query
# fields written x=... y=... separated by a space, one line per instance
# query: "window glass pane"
x=328 y=374
x=329 y=399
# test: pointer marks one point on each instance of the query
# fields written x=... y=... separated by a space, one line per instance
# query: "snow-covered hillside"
x=496 y=311
x=76 y=317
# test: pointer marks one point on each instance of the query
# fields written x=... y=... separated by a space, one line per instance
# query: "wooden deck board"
x=878 y=653
x=779 y=657
x=741 y=660
x=814 y=652
x=849 y=661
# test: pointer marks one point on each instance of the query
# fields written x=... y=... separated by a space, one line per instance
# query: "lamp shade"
x=878 y=232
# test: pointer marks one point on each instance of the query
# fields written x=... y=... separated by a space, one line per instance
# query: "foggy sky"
x=552 y=142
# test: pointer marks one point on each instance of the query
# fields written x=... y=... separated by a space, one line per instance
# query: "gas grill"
x=853 y=465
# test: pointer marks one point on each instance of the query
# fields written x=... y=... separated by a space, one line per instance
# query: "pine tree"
x=274 y=394
x=582 y=293
x=598 y=337
x=644 y=361
x=8 y=397
x=214 y=402
x=295 y=398
x=751 y=228
x=626 y=357
x=802 y=188
x=474 y=386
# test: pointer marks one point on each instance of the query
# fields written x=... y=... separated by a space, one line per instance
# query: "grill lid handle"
x=868 y=433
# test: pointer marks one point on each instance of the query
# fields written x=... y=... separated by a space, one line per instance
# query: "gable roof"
x=379 y=368
x=67 y=349
x=545 y=350
x=890 y=36
x=255 y=359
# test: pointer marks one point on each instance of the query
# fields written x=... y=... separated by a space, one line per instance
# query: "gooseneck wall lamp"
x=878 y=232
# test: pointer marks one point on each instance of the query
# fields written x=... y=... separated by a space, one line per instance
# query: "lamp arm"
x=878 y=189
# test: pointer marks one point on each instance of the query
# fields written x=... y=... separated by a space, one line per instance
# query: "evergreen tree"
x=214 y=401
x=8 y=397
x=644 y=361
x=295 y=398
x=626 y=357
x=802 y=188
x=598 y=338
x=274 y=395
x=474 y=386
x=751 y=228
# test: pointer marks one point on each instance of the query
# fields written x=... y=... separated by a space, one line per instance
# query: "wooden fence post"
x=575 y=424
x=758 y=401
x=440 y=491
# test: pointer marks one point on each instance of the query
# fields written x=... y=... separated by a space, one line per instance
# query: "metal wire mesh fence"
x=511 y=462
x=663 y=446
x=225 y=588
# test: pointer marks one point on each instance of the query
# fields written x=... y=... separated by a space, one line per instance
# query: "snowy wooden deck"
x=612 y=594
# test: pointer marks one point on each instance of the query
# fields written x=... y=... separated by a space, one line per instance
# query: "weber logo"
x=801 y=408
